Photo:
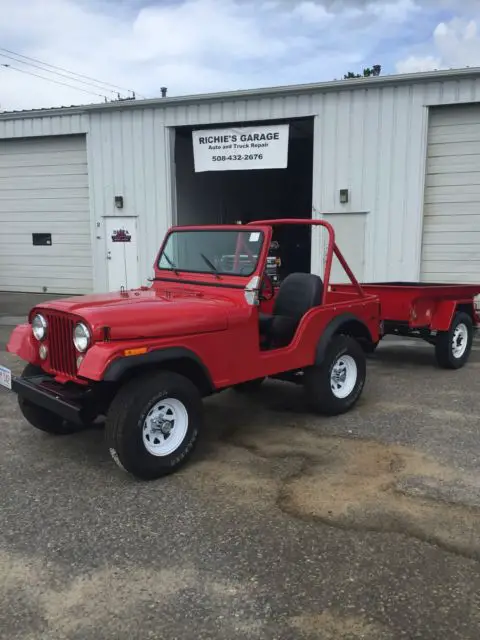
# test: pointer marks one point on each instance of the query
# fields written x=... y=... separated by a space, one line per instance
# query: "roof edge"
x=285 y=90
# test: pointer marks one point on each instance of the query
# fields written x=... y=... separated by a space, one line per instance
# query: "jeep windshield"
x=216 y=251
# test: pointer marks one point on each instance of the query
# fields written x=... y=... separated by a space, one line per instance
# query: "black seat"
x=298 y=293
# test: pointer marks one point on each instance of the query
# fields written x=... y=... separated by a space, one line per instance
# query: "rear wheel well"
x=357 y=330
x=466 y=308
x=184 y=366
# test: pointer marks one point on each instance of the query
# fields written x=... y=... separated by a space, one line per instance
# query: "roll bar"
x=331 y=250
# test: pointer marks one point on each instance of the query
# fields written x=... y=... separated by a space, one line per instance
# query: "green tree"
x=367 y=72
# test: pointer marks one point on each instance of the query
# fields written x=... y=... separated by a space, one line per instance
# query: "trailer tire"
x=144 y=415
x=452 y=347
x=334 y=386
x=41 y=418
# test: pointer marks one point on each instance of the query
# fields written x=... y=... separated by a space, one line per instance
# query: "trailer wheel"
x=153 y=424
x=334 y=386
x=452 y=347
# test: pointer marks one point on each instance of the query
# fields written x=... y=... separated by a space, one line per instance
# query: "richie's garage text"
x=241 y=148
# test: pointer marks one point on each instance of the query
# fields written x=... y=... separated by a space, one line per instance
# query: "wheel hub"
x=459 y=340
x=165 y=427
x=343 y=377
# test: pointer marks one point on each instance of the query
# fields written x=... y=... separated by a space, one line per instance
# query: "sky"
x=200 y=46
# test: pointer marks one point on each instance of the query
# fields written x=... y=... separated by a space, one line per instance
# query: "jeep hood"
x=148 y=313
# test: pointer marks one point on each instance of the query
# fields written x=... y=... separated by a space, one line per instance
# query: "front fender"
x=23 y=344
x=98 y=358
x=108 y=362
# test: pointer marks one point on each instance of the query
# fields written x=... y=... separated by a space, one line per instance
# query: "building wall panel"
x=44 y=189
x=452 y=196
x=370 y=139
x=24 y=127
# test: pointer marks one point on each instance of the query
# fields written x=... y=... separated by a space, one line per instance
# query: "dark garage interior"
x=223 y=197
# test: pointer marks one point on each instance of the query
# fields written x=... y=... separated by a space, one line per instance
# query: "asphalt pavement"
x=283 y=525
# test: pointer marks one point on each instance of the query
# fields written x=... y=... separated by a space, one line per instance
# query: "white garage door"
x=451 y=235
x=44 y=216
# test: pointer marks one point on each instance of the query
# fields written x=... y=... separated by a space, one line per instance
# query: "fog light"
x=79 y=361
x=43 y=352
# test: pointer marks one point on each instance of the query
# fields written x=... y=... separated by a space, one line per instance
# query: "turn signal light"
x=135 y=352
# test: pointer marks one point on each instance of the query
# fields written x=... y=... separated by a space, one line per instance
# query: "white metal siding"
x=23 y=126
x=372 y=141
x=451 y=233
x=369 y=139
x=44 y=189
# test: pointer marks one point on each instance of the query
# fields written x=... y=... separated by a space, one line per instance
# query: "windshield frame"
x=265 y=233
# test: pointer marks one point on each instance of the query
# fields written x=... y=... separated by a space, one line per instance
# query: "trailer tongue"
x=443 y=315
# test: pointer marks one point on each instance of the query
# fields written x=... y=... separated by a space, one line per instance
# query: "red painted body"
x=197 y=311
x=430 y=306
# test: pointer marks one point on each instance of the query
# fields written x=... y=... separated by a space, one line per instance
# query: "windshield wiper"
x=212 y=266
x=172 y=264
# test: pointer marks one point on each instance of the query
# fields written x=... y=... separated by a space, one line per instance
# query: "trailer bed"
x=443 y=314
x=401 y=301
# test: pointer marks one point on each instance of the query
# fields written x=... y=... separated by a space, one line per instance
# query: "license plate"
x=5 y=377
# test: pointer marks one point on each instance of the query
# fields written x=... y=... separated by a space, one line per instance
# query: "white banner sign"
x=263 y=147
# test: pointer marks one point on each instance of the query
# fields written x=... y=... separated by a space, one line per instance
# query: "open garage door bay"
x=45 y=241
x=451 y=231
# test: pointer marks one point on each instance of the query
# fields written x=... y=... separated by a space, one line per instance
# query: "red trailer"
x=443 y=315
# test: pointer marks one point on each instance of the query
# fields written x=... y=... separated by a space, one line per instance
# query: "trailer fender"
x=347 y=324
x=445 y=311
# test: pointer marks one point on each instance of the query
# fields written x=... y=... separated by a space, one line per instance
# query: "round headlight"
x=39 y=327
x=81 y=337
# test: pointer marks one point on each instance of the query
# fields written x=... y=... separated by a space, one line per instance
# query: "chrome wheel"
x=343 y=377
x=459 y=340
x=165 y=427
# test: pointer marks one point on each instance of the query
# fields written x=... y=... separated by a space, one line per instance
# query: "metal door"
x=122 y=254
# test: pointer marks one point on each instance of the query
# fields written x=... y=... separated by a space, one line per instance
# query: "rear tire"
x=452 y=347
x=153 y=424
x=41 y=418
x=369 y=347
x=334 y=386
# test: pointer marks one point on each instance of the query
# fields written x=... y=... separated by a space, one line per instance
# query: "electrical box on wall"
x=41 y=239
x=344 y=196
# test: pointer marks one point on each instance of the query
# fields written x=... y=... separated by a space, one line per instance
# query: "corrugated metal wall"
x=369 y=140
x=451 y=232
x=47 y=125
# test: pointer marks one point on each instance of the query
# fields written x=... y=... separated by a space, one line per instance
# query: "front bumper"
x=68 y=401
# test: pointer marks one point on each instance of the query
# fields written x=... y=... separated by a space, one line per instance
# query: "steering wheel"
x=267 y=290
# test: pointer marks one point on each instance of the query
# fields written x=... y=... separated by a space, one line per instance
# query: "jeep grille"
x=60 y=343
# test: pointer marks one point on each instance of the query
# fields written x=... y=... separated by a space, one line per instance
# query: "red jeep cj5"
x=211 y=320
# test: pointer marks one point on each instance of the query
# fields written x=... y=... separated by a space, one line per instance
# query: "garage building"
x=87 y=193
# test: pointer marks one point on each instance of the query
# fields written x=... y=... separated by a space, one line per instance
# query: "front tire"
x=153 y=424
x=334 y=386
x=452 y=347
x=39 y=417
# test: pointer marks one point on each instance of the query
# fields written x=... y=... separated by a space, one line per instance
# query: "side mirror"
x=251 y=291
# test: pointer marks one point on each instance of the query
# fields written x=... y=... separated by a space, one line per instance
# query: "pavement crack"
x=358 y=485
